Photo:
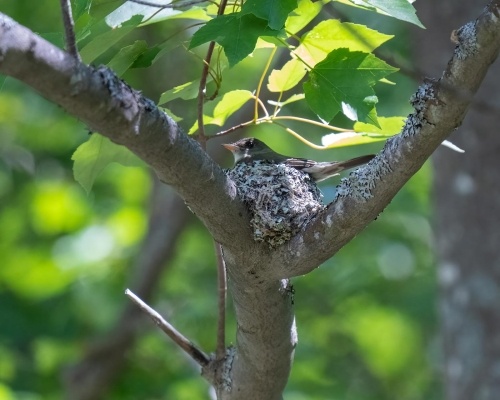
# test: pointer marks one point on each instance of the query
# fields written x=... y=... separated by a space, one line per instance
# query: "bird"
x=252 y=149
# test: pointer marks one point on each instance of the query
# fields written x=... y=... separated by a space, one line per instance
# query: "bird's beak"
x=231 y=147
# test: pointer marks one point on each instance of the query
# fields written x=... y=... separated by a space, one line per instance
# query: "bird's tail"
x=354 y=162
x=324 y=170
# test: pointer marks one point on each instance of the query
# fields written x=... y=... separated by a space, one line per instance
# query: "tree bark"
x=260 y=362
x=467 y=200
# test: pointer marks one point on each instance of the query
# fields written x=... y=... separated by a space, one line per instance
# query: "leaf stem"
x=259 y=86
x=312 y=122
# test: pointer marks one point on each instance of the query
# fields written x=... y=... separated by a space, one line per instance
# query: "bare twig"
x=172 y=4
x=232 y=129
x=220 y=351
x=69 y=29
x=100 y=365
x=202 y=139
x=201 y=95
x=185 y=344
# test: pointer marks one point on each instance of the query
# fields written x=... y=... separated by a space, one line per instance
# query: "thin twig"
x=168 y=5
x=201 y=95
x=69 y=30
x=185 y=344
x=232 y=129
x=259 y=86
x=202 y=139
x=220 y=351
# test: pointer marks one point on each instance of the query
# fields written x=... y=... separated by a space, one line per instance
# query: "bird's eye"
x=250 y=144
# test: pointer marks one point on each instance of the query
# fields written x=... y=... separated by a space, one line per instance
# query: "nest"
x=281 y=199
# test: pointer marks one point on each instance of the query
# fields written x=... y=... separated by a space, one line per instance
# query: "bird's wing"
x=299 y=163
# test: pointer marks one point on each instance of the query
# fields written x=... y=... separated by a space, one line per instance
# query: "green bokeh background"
x=366 y=318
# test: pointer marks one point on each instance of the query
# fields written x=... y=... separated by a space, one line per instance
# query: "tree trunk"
x=467 y=199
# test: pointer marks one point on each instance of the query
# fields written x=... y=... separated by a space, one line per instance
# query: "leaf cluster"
x=329 y=65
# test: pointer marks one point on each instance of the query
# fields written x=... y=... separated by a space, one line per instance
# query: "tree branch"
x=94 y=373
x=266 y=334
x=109 y=106
x=185 y=344
x=69 y=29
x=221 y=303
x=440 y=107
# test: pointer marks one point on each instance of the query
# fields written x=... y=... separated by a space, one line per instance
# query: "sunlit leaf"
x=150 y=15
x=343 y=139
x=227 y=106
x=333 y=34
x=291 y=99
x=400 y=9
x=171 y=114
x=388 y=126
x=287 y=77
x=94 y=155
x=302 y=15
x=343 y=82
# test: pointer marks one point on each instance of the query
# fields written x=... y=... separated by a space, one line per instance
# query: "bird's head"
x=249 y=149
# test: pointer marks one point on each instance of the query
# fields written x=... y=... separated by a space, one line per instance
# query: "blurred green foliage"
x=366 y=319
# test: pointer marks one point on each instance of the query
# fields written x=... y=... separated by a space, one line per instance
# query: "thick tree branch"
x=260 y=363
x=440 y=107
x=109 y=106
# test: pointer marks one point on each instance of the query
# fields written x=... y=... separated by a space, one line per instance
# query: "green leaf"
x=343 y=82
x=104 y=41
x=81 y=7
x=400 y=9
x=291 y=99
x=343 y=139
x=274 y=11
x=91 y=157
x=333 y=34
x=236 y=33
x=365 y=133
x=171 y=115
x=150 y=15
x=186 y=91
x=193 y=13
x=148 y=57
x=227 y=106
x=127 y=56
x=287 y=77
x=83 y=26
x=302 y=15
x=388 y=126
